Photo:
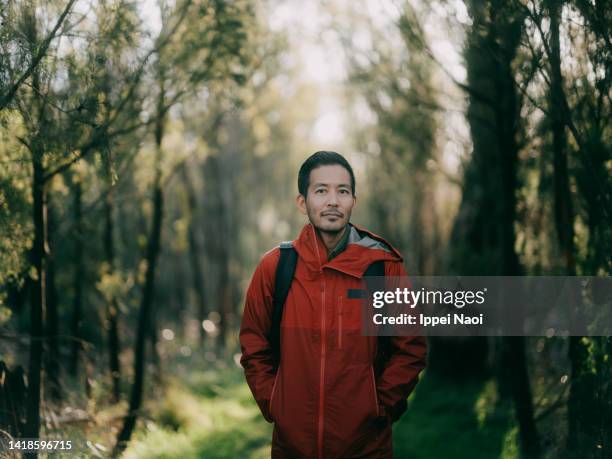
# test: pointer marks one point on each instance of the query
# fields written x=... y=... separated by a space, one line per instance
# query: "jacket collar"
x=363 y=249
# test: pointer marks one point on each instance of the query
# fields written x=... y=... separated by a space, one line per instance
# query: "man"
x=331 y=395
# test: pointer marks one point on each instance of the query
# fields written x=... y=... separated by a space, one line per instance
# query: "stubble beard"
x=330 y=231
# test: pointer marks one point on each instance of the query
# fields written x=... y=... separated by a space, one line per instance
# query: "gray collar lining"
x=366 y=241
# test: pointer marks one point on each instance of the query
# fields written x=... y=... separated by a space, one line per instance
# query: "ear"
x=301 y=204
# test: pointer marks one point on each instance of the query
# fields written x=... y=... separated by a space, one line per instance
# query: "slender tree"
x=113 y=304
x=152 y=254
x=198 y=282
x=53 y=360
x=77 y=304
x=483 y=239
x=174 y=76
x=579 y=110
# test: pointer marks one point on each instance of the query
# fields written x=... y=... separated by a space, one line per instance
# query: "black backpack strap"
x=376 y=269
x=284 y=276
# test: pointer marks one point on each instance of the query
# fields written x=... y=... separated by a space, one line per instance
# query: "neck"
x=330 y=240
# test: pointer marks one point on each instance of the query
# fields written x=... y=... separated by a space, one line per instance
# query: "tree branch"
x=42 y=51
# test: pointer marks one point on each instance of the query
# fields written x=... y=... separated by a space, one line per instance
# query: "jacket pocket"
x=270 y=404
x=340 y=313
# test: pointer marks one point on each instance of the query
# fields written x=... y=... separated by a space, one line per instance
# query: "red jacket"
x=326 y=399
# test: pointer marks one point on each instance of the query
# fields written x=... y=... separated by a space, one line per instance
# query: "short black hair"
x=318 y=159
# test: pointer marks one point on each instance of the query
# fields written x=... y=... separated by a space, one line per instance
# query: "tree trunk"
x=217 y=243
x=582 y=402
x=225 y=295
x=518 y=377
x=113 y=306
x=37 y=253
x=32 y=426
x=77 y=306
x=583 y=407
x=52 y=364
x=564 y=215
x=143 y=321
x=154 y=339
x=153 y=249
x=195 y=255
x=483 y=237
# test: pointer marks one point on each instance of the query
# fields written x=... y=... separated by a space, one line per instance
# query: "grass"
x=205 y=415
x=212 y=415
x=455 y=419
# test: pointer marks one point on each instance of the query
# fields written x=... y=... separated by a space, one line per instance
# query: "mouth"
x=332 y=215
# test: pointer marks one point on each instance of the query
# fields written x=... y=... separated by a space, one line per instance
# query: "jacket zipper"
x=374 y=389
x=340 y=324
x=323 y=345
x=322 y=375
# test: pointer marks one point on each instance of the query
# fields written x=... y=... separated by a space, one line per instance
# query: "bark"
x=564 y=215
x=154 y=339
x=37 y=253
x=584 y=410
x=113 y=306
x=217 y=243
x=52 y=364
x=77 y=305
x=195 y=255
x=179 y=297
x=582 y=404
x=32 y=426
x=13 y=390
x=483 y=237
x=225 y=295
x=146 y=305
x=143 y=322
x=518 y=378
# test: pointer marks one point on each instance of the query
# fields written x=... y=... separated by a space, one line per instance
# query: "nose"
x=332 y=199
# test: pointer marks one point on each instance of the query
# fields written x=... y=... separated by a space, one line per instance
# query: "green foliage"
x=225 y=422
x=15 y=228
x=217 y=424
x=468 y=414
x=397 y=84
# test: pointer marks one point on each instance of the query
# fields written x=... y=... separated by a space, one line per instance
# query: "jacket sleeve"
x=257 y=359
x=408 y=355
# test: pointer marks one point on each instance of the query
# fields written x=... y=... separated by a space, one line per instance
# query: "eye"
x=320 y=190
x=344 y=191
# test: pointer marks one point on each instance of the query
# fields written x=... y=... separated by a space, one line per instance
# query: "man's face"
x=329 y=200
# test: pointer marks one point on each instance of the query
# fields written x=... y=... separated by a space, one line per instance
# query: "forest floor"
x=212 y=415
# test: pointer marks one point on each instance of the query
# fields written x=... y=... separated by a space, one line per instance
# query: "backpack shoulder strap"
x=376 y=269
x=285 y=270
